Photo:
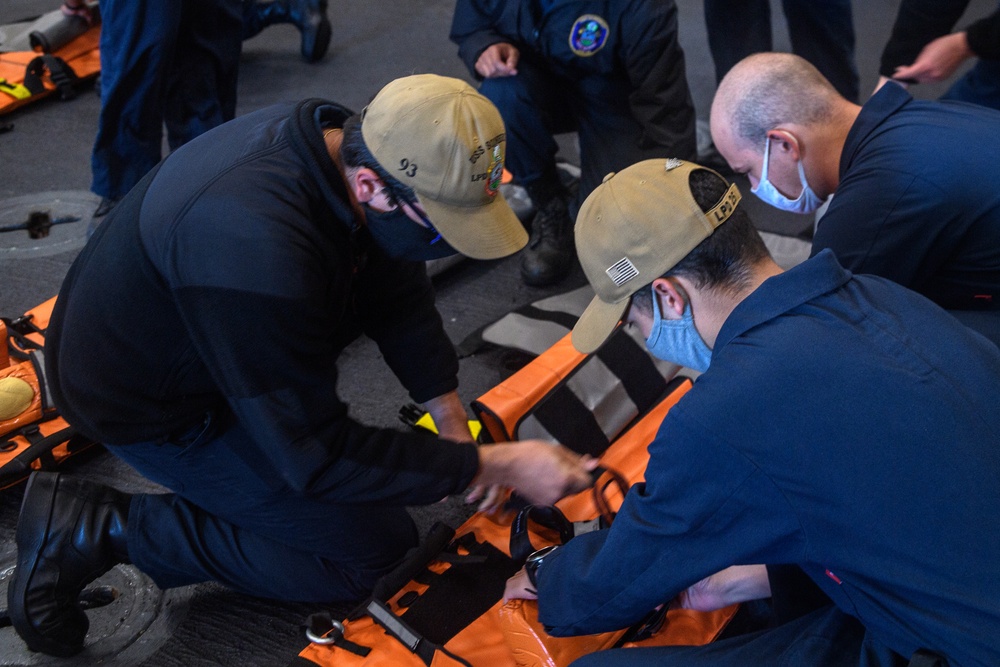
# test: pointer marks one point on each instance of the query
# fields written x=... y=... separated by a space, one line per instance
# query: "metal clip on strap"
x=325 y=630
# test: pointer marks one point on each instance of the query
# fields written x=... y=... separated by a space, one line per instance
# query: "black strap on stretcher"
x=323 y=629
x=40 y=448
x=552 y=518
x=60 y=73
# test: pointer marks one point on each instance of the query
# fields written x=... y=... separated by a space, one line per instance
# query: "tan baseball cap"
x=439 y=136
x=634 y=227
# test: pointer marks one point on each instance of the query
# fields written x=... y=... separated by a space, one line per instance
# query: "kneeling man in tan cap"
x=843 y=431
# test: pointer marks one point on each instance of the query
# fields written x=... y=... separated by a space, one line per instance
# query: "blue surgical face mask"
x=807 y=202
x=678 y=340
x=402 y=238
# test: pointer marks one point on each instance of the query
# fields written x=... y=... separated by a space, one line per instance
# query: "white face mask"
x=678 y=340
x=807 y=202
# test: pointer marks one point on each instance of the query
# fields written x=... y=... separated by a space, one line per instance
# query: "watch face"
x=537 y=556
x=534 y=562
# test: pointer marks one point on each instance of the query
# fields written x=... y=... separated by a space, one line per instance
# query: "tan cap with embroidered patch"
x=634 y=227
x=439 y=136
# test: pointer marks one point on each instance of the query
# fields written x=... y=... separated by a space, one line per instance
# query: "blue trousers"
x=821 y=31
x=826 y=637
x=230 y=519
x=535 y=104
x=170 y=62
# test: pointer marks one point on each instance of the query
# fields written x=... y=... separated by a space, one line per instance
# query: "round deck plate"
x=62 y=238
x=124 y=632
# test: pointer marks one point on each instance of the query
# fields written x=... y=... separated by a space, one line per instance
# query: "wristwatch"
x=534 y=563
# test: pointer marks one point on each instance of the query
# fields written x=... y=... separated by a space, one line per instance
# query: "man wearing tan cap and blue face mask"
x=197 y=336
x=845 y=429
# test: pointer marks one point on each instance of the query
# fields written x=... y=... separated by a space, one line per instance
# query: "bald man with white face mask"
x=916 y=197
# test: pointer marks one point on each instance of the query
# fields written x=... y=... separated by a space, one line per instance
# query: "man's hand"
x=738 y=583
x=449 y=417
x=452 y=423
x=498 y=60
x=519 y=588
x=540 y=471
x=882 y=80
x=78 y=8
x=938 y=60
x=490 y=498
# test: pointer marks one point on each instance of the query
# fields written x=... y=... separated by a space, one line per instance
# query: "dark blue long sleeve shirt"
x=231 y=279
x=918 y=201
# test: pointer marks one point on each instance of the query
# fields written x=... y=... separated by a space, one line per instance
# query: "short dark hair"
x=355 y=154
x=725 y=259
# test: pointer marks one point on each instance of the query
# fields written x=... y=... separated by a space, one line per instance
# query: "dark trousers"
x=170 y=62
x=980 y=85
x=803 y=628
x=535 y=104
x=984 y=322
x=230 y=519
x=826 y=637
x=821 y=31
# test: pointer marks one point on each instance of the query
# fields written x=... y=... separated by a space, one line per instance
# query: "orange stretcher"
x=444 y=605
x=36 y=437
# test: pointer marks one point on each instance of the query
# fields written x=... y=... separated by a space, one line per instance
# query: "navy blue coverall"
x=612 y=71
x=847 y=426
x=917 y=203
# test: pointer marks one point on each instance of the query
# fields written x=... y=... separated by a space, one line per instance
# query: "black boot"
x=550 y=251
x=106 y=206
x=70 y=532
x=309 y=16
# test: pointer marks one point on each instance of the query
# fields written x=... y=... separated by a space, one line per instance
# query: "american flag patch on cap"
x=622 y=271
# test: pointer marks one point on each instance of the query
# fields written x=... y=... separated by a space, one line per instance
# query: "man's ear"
x=784 y=142
x=672 y=298
x=366 y=184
